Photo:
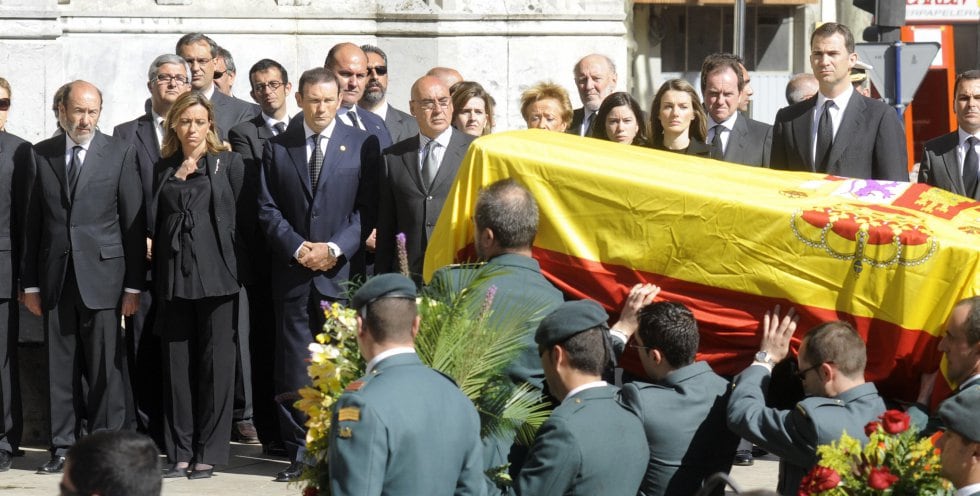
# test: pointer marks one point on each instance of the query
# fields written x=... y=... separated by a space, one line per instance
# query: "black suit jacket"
x=229 y=111
x=15 y=168
x=339 y=208
x=577 y=116
x=939 y=166
x=400 y=125
x=749 y=143
x=870 y=143
x=225 y=170
x=248 y=139
x=101 y=228
x=408 y=207
x=139 y=132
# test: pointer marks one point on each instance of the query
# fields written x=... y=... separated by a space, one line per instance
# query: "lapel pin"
x=343 y=148
x=217 y=165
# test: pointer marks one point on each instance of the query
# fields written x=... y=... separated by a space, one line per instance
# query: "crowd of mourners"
x=216 y=228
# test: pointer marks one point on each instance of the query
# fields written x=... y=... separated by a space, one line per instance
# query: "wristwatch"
x=333 y=251
x=764 y=357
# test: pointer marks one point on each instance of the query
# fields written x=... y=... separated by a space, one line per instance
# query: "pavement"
x=250 y=473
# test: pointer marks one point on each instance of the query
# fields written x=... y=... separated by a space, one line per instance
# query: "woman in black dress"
x=196 y=185
x=678 y=121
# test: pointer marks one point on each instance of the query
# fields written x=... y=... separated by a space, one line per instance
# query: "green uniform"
x=589 y=446
x=684 y=419
x=405 y=429
x=793 y=435
x=929 y=424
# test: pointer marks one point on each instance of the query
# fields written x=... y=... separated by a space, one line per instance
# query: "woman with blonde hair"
x=472 y=108
x=677 y=119
x=546 y=106
x=196 y=187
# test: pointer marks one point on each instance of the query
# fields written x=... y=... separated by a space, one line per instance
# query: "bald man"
x=447 y=75
x=595 y=78
x=349 y=63
x=418 y=173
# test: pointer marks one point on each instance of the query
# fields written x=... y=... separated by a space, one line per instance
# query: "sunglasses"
x=4 y=104
x=378 y=70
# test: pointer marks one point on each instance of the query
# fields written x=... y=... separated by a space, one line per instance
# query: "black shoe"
x=201 y=474
x=743 y=458
x=5 y=459
x=758 y=452
x=275 y=448
x=292 y=473
x=174 y=472
x=243 y=431
x=54 y=466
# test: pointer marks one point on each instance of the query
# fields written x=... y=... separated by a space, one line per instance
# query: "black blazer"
x=247 y=139
x=749 y=143
x=870 y=143
x=230 y=111
x=139 y=132
x=101 y=228
x=696 y=148
x=400 y=125
x=225 y=170
x=15 y=167
x=939 y=166
x=408 y=207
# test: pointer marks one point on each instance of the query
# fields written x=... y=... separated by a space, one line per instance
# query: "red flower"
x=818 y=480
x=881 y=478
x=871 y=428
x=310 y=491
x=894 y=421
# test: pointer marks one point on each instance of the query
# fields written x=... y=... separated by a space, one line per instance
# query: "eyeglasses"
x=801 y=374
x=379 y=70
x=431 y=104
x=200 y=61
x=4 y=104
x=271 y=86
x=168 y=79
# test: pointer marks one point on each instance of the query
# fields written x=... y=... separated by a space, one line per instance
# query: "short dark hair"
x=970 y=75
x=266 y=64
x=619 y=99
x=829 y=29
x=375 y=50
x=115 y=463
x=972 y=324
x=718 y=62
x=390 y=319
x=587 y=351
x=838 y=343
x=671 y=328
x=189 y=39
x=317 y=75
x=229 y=60
x=510 y=211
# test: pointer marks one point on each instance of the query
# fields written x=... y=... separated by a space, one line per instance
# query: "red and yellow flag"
x=731 y=241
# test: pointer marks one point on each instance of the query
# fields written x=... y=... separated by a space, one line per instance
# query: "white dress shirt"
x=836 y=114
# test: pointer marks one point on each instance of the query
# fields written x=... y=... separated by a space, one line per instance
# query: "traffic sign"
x=916 y=59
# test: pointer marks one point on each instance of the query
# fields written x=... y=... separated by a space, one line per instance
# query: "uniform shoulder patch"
x=354 y=386
x=349 y=413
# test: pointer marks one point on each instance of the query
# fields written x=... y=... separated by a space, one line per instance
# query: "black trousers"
x=145 y=376
x=262 y=340
x=198 y=346
x=86 y=369
x=11 y=420
x=298 y=321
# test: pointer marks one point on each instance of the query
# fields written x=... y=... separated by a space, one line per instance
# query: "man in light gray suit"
x=400 y=124
x=950 y=161
x=733 y=137
x=418 y=174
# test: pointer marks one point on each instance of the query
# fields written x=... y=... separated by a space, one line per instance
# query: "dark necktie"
x=825 y=138
x=316 y=161
x=971 y=176
x=280 y=128
x=74 y=167
x=429 y=164
x=717 y=149
x=353 y=119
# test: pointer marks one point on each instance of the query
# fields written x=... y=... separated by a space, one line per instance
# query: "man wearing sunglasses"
x=400 y=124
x=831 y=363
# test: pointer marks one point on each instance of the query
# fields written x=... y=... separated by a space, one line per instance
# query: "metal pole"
x=738 y=43
x=899 y=106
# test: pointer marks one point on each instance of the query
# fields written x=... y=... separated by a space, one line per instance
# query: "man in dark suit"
x=348 y=63
x=15 y=165
x=838 y=131
x=683 y=410
x=951 y=160
x=200 y=53
x=595 y=78
x=402 y=428
x=270 y=88
x=400 y=124
x=85 y=247
x=831 y=363
x=167 y=79
x=733 y=136
x=591 y=444
x=418 y=174
x=317 y=195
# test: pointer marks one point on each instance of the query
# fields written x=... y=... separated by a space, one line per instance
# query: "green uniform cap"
x=569 y=319
x=384 y=286
x=959 y=413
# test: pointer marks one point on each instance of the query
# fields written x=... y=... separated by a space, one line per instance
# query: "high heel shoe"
x=204 y=473
x=174 y=472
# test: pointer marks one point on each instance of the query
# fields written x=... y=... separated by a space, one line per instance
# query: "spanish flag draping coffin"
x=731 y=241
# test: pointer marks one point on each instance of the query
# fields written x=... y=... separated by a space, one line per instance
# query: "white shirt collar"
x=963 y=135
x=401 y=350
x=840 y=100
x=968 y=490
x=271 y=122
x=208 y=93
x=70 y=143
x=729 y=123
x=326 y=133
x=442 y=139
x=381 y=111
x=583 y=387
